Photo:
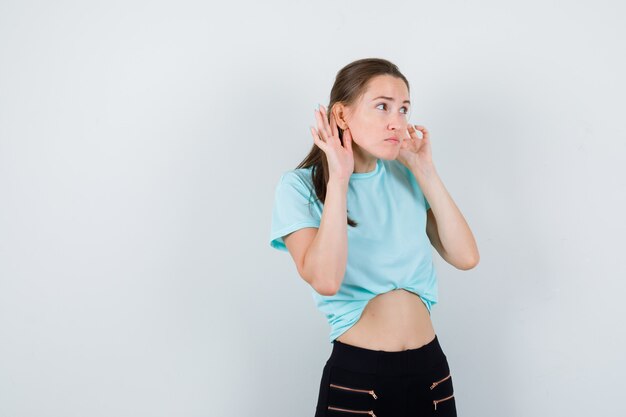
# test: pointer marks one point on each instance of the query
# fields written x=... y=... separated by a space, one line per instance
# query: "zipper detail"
x=369 y=391
x=370 y=412
x=439 y=382
x=443 y=399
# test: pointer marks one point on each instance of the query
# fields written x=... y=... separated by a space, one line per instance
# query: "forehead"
x=386 y=85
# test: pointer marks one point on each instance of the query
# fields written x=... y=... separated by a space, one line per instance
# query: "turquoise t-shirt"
x=388 y=249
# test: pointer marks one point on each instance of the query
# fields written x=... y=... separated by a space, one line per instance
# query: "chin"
x=389 y=156
x=386 y=154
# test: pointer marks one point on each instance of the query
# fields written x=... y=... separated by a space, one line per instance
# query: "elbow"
x=321 y=286
x=469 y=263
x=323 y=281
x=325 y=287
x=325 y=291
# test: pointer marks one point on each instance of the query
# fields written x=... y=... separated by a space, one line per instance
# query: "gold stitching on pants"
x=369 y=391
x=370 y=412
x=439 y=382
x=443 y=399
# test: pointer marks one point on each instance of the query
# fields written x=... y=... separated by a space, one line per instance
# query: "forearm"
x=454 y=233
x=325 y=259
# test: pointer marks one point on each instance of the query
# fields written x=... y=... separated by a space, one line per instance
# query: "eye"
x=406 y=109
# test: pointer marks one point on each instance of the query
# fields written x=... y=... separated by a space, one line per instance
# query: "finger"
x=320 y=125
x=422 y=129
x=333 y=126
x=317 y=140
x=408 y=133
x=411 y=140
x=347 y=139
x=326 y=125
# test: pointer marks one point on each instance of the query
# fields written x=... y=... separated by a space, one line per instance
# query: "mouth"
x=392 y=140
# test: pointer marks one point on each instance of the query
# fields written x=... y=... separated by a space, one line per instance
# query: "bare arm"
x=446 y=227
x=324 y=263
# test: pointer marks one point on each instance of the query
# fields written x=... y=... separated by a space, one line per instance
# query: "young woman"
x=359 y=215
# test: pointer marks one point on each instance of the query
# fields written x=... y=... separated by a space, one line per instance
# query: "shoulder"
x=299 y=178
x=296 y=182
x=298 y=175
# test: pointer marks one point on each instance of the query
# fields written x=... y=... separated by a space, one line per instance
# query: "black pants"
x=409 y=383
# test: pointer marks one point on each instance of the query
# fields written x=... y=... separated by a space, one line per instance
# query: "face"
x=381 y=113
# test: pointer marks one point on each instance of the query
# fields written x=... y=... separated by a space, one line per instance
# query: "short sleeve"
x=294 y=208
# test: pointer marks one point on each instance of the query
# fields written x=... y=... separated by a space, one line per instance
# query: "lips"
x=393 y=140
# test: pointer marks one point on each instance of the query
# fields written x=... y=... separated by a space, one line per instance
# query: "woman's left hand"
x=415 y=152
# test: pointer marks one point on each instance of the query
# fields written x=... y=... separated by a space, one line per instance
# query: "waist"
x=393 y=321
x=405 y=362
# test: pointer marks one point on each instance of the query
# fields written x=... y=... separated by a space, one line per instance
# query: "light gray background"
x=140 y=144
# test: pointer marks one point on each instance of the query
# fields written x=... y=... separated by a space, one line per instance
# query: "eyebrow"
x=390 y=99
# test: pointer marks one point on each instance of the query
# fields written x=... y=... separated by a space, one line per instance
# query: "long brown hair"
x=350 y=83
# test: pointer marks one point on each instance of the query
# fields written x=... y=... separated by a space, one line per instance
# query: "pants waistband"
x=406 y=362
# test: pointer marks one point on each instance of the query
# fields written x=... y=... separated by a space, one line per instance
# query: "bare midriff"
x=393 y=321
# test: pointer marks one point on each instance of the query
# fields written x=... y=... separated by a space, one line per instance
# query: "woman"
x=359 y=215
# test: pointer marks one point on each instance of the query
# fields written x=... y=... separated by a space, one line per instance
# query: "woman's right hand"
x=340 y=158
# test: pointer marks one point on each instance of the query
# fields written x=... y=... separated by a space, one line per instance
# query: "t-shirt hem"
x=276 y=240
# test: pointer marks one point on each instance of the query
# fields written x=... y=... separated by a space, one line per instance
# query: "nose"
x=398 y=124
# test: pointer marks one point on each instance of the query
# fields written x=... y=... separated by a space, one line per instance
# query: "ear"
x=340 y=113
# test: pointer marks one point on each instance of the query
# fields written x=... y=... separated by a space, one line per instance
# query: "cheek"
x=370 y=127
x=365 y=135
x=366 y=130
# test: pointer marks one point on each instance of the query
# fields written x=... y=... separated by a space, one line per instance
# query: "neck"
x=363 y=162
